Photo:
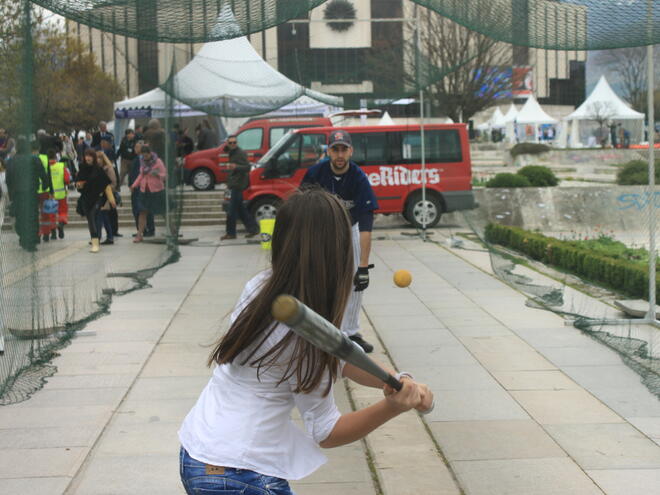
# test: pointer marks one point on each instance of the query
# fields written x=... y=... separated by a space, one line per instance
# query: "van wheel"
x=202 y=179
x=265 y=208
x=417 y=210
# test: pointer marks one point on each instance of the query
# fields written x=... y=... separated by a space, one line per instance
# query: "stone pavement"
x=524 y=404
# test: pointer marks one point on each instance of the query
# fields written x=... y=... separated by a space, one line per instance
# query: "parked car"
x=389 y=155
x=204 y=169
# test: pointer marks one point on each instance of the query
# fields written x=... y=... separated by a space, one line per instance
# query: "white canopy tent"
x=497 y=120
x=226 y=79
x=386 y=120
x=603 y=104
x=530 y=117
x=509 y=123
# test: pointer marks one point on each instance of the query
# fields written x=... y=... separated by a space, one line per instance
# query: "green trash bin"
x=266 y=228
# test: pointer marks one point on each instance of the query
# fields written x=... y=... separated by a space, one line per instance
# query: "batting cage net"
x=558 y=157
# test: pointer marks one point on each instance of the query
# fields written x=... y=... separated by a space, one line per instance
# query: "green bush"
x=528 y=149
x=508 y=180
x=636 y=173
x=539 y=176
x=629 y=277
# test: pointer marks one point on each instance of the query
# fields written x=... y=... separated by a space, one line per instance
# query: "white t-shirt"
x=243 y=422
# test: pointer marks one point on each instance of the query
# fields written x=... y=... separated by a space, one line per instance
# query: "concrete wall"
x=622 y=209
x=572 y=158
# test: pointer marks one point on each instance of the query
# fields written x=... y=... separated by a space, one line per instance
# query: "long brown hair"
x=312 y=259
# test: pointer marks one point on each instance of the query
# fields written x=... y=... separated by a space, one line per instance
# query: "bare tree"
x=462 y=71
x=601 y=112
x=629 y=65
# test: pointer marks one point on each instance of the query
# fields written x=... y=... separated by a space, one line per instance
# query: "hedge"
x=506 y=179
x=636 y=173
x=529 y=149
x=539 y=176
x=620 y=275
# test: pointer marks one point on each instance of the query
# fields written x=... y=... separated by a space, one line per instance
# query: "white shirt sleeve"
x=320 y=414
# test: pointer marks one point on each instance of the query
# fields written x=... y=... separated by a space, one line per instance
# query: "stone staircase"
x=199 y=208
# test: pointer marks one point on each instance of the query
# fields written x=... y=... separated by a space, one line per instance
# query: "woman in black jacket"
x=95 y=188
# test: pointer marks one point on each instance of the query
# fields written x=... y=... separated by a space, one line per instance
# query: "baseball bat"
x=320 y=332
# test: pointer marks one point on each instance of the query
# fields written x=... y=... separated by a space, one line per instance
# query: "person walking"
x=25 y=175
x=239 y=436
x=104 y=218
x=340 y=176
x=47 y=219
x=137 y=205
x=95 y=189
x=151 y=184
x=61 y=178
x=237 y=182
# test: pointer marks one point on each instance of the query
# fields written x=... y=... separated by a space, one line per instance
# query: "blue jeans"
x=237 y=209
x=231 y=482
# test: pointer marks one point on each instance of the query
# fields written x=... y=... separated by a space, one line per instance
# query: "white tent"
x=604 y=105
x=497 y=120
x=603 y=99
x=226 y=78
x=509 y=123
x=511 y=114
x=530 y=117
x=386 y=119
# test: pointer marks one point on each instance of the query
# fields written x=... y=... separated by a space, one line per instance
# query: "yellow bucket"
x=266 y=227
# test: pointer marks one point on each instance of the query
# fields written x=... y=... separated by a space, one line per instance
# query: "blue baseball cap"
x=339 y=137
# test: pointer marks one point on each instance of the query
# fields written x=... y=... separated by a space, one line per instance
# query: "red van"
x=203 y=169
x=391 y=158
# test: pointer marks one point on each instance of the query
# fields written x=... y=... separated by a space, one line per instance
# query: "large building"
x=364 y=56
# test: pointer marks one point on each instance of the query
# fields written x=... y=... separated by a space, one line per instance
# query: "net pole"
x=651 y=316
x=421 y=120
x=652 y=220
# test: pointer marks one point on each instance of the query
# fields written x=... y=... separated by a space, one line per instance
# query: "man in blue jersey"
x=342 y=177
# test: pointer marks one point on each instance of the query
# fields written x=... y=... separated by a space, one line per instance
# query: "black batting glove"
x=361 y=279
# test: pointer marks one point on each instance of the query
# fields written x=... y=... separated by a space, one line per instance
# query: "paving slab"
x=545 y=476
x=565 y=406
x=607 y=446
x=484 y=440
x=627 y=481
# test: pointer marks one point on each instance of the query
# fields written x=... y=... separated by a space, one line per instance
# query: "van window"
x=303 y=151
x=250 y=139
x=370 y=148
x=441 y=145
x=276 y=133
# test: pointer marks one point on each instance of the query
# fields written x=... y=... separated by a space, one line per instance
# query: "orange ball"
x=402 y=278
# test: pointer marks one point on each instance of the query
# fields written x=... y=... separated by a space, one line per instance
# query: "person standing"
x=340 y=176
x=101 y=135
x=137 y=205
x=95 y=189
x=151 y=184
x=206 y=137
x=239 y=436
x=237 y=182
x=105 y=217
x=69 y=156
x=126 y=155
x=25 y=174
x=155 y=138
